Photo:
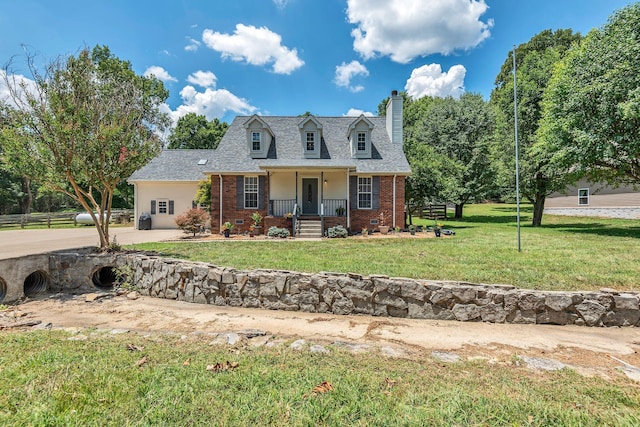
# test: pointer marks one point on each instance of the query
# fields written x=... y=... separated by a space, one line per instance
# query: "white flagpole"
x=515 y=117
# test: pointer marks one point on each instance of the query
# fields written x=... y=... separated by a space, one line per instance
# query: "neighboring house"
x=589 y=199
x=324 y=171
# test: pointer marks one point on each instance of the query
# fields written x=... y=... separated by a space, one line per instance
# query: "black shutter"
x=375 y=192
x=193 y=204
x=353 y=191
x=261 y=192
x=170 y=207
x=239 y=192
x=153 y=207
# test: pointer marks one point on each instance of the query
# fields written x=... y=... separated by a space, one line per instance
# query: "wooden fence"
x=56 y=219
x=434 y=212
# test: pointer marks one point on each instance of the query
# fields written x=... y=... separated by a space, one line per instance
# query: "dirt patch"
x=588 y=350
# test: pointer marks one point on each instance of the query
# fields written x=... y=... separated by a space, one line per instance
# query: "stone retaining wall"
x=376 y=295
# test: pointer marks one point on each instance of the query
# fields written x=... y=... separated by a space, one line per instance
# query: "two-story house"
x=326 y=170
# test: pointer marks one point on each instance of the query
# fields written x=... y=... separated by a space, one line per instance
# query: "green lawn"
x=566 y=253
x=49 y=380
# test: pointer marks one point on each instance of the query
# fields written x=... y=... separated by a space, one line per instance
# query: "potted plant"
x=226 y=228
x=412 y=229
x=256 y=217
x=340 y=211
x=383 y=227
x=365 y=231
x=437 y=229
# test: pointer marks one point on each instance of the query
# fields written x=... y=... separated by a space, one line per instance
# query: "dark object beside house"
x=144 y=222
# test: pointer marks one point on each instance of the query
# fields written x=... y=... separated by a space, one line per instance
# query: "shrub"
x=337 y=231
x=278 y=232
x=192 y=221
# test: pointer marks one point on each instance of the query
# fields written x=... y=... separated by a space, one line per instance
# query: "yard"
x=566 y=253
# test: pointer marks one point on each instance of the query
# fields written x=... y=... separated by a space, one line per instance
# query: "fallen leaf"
x=220 y=367
x=530 y=419
x=389 y=382
x=321 y=388
x=187 y=362
x=133 y=347
x=142 y=361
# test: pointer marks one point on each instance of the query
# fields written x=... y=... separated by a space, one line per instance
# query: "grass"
x=566 y=253
x=49 y=380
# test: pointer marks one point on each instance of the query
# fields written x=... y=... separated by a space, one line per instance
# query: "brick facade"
x=360 y=218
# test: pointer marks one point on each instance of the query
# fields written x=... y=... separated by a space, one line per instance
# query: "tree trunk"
x=538 y=210
x=26 y=201
x=458 y=214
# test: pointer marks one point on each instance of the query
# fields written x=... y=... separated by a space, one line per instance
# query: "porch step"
x=309 y=228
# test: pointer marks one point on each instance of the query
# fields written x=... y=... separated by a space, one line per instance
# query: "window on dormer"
x=255 y=141
x=311 y=141
x=362 y=141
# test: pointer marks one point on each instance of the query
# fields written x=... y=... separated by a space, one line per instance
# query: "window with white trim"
x=583 y=196
x=362 y=141
x=311 y=141
x=163 y=207
x=364 y=192
x=251 y=192
x=256 y=138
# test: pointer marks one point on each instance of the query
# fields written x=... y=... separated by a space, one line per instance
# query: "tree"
x=195 y=131
x=86 y=123
x=534 y=63
x=203 y=193
x=192 y=221
x=459 y=132
x=591 y=119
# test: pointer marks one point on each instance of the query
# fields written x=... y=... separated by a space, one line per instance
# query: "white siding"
x=182 y=194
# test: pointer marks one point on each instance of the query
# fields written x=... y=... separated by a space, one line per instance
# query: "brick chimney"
x=394 y=117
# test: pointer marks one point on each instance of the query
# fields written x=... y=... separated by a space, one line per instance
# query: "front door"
x=310 y=196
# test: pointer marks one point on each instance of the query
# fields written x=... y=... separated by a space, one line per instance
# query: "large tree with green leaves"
x=195 y=131
x=591 y=120
x=87 y=122
x=458 y=133
x=534 y=65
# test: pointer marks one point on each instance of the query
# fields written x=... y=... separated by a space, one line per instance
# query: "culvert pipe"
x=36 y=283
x=3 y=289
x=104 y=278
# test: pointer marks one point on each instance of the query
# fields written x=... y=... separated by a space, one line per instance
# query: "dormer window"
x=359 y=136
x=311 y=137
x=259 y=137
x=256 y=138
x=311 y=141
x=362 y=141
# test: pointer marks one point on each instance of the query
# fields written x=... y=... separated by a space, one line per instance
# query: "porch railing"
x=281 y=207
x=334 y=207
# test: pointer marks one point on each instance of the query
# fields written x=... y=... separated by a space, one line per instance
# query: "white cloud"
x=354 y=112
x=345 y=72
x=281 y=3
x=430 y=80
x=193 y=45
x=160 y=73
x=21 y=83
x=211 y=103
x=405 y=29
x=203 y=78
x=256 y=46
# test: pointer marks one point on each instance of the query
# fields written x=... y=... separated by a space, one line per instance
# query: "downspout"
x=220 y=177
x=135 y=206
x=394 y=200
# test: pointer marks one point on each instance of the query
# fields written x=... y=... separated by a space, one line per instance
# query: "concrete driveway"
x=17 y=243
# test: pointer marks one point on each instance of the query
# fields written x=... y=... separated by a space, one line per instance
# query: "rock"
x=493 y=313
x=558 y=302
x=591 y=311
x=318 y=349
x=444 y=356
x=252 y=333
x=466 y=312
x=119 y=331
x=626 y=302
x=133 y=295
x=352 y=347
x=392 y=352
x=538 y=363
x=79 y=337
x=298 y=345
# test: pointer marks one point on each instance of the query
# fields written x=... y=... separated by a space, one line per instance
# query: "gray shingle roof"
x=175 y=165
x=232 y=154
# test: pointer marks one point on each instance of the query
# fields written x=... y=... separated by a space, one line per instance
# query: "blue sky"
x=223 y=58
